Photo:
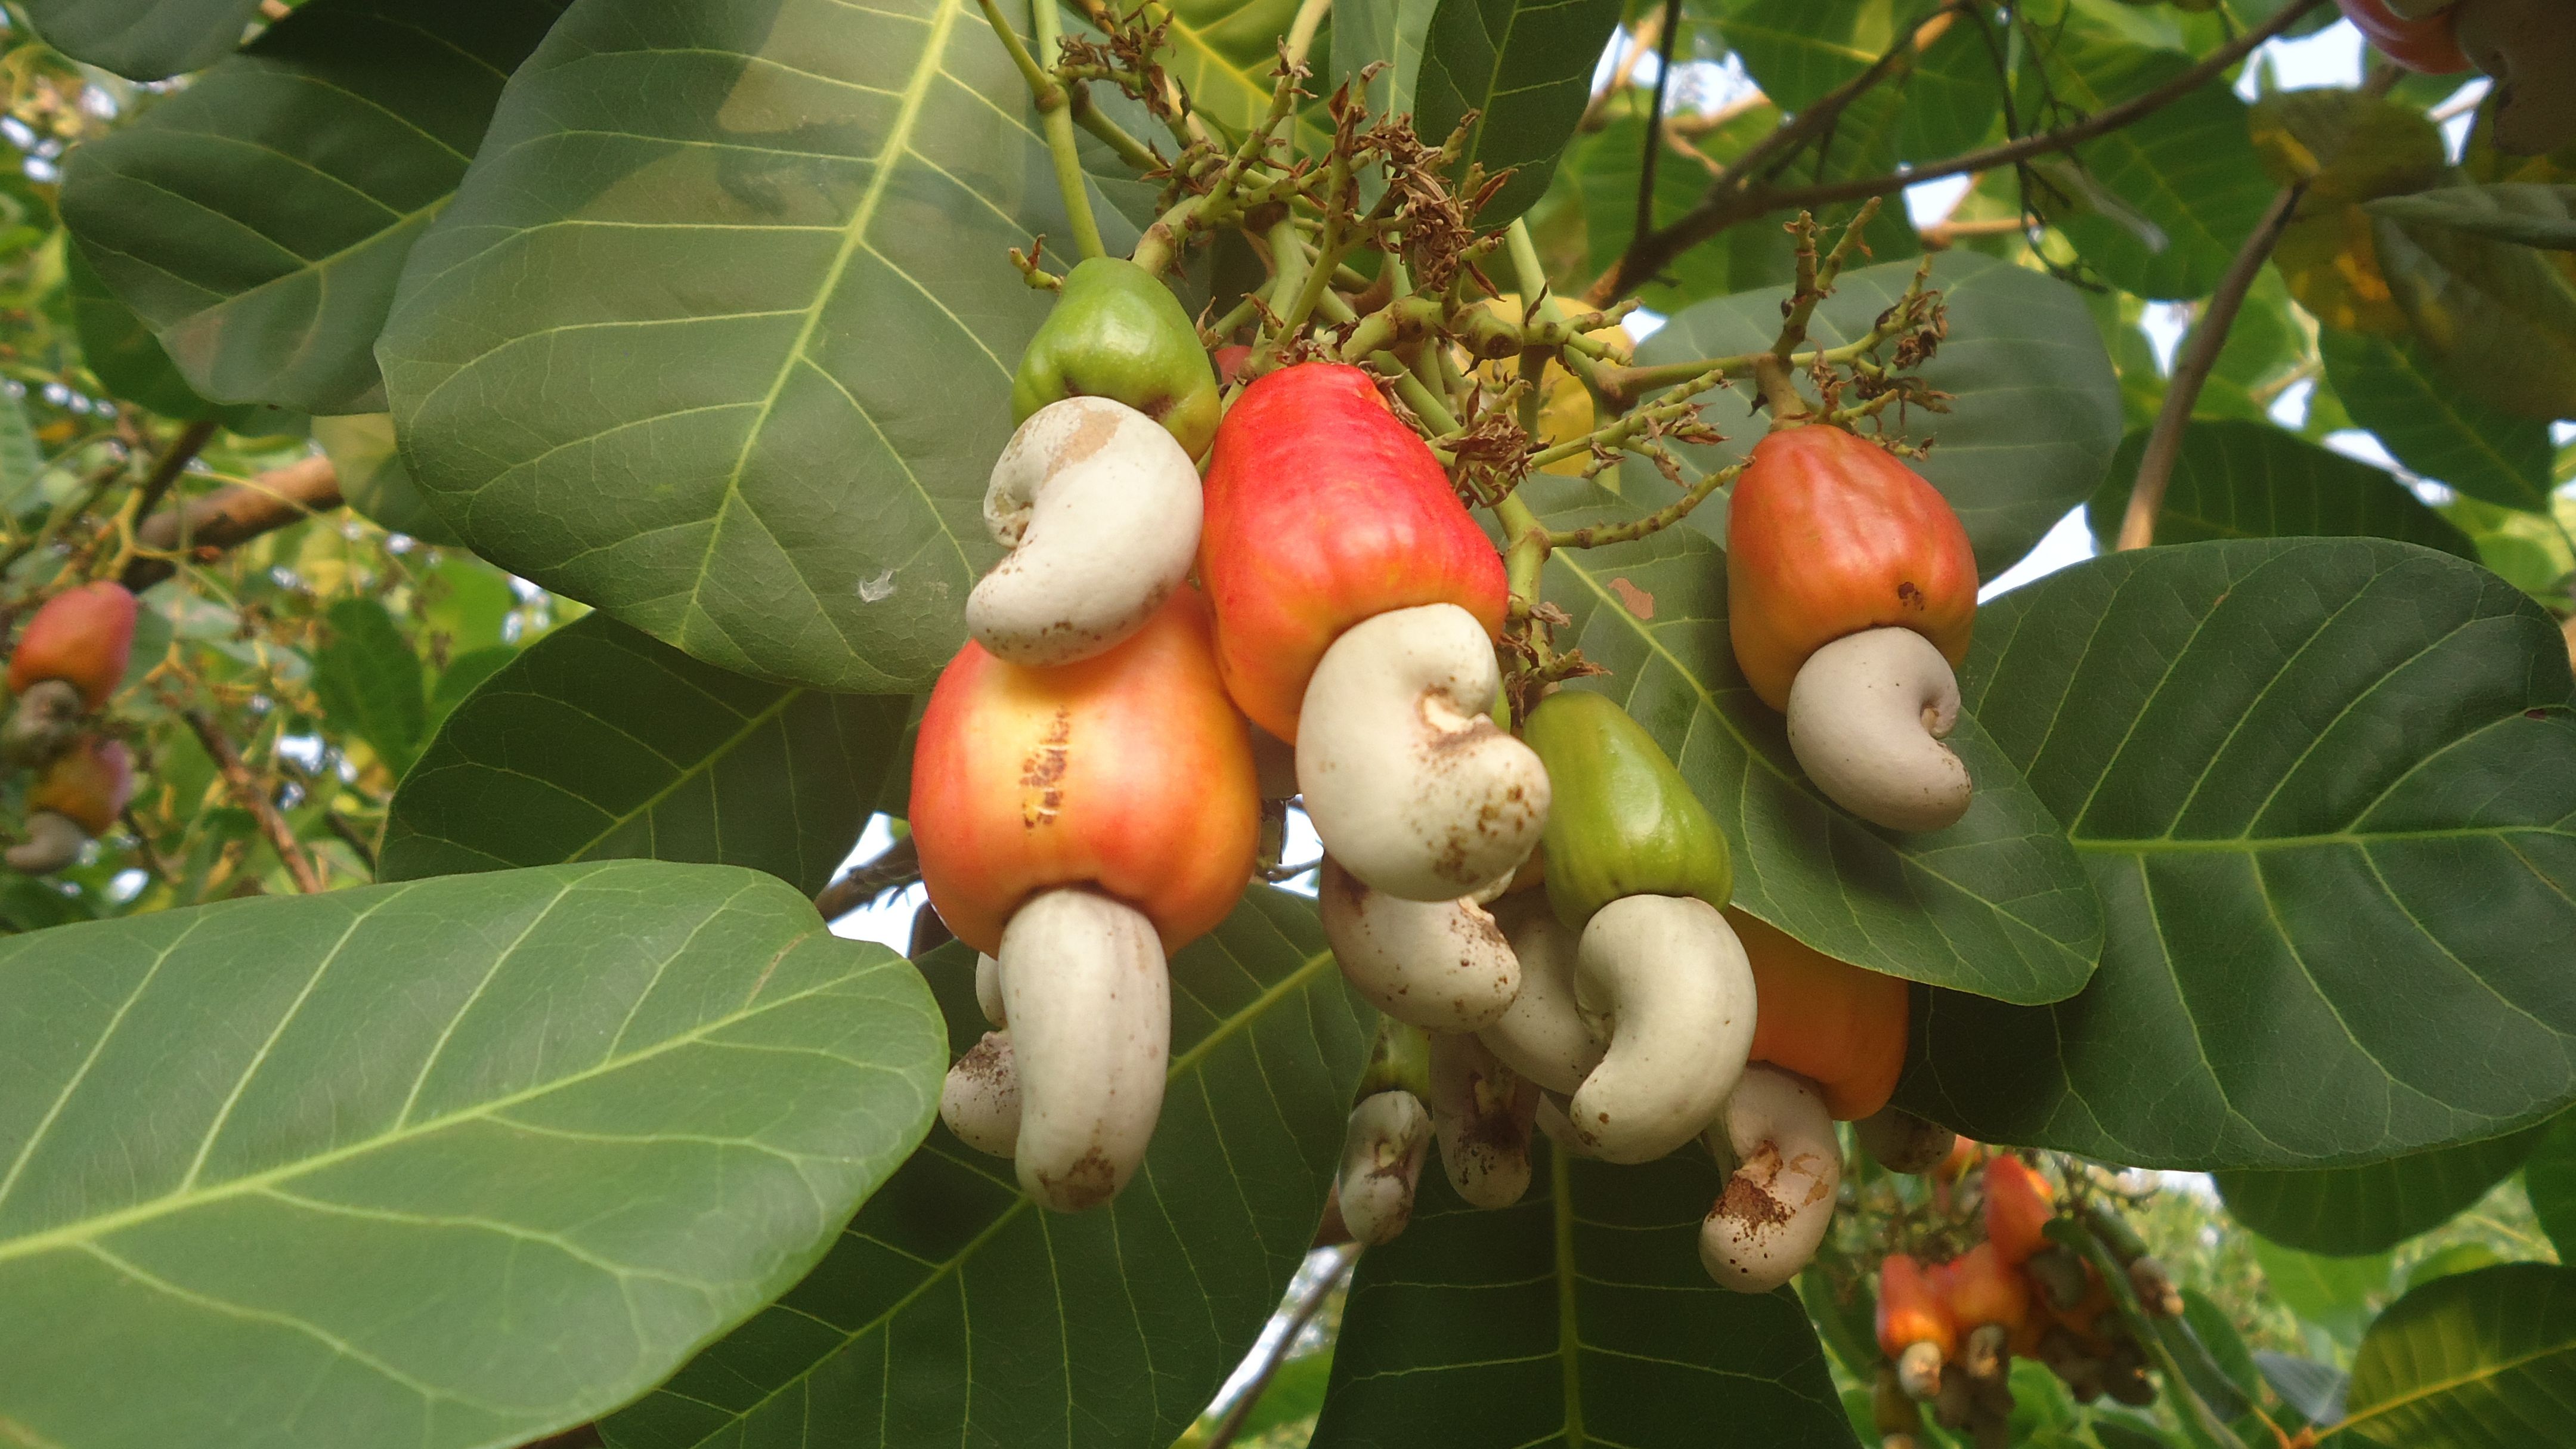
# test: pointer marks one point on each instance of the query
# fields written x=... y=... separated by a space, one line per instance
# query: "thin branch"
x=898 y=866
x=2191 y=370
x=252 y=798
x=1655 y=120
x=1055 y=115
x=1596 y=112
x=1307 y=1308
x=173 y=461
x=1731 y=201
x=364 y=849
x=231 y=516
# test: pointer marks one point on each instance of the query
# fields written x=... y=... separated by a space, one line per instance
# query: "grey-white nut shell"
x=1484 y=1112
x=1867 y=714
x=1777 y=1204
x=1408 y=781
x=1440 y=965
x=53 y=841
x=1100 y=510
x=988 y=990
x=1902 y=1142
x=980 y=1100
x=1542 y=1035
x=1090 y=1007
x=1382 y=1151
x=1668 y=976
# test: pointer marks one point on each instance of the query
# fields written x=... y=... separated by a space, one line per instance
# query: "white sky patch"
x=2070 y=542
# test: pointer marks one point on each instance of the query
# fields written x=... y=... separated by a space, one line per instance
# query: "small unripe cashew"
x=1409 y=782
x=53 y=841
x=1100 y=511
x=988 y=989
x=1780 y=1199
x=1902 y=1142
x=1090 y=1007
x=1866 y=717
x=41 y=723
x=1440 y=965
x=1673 y=983
x=980 y=1101
x=1484 y=1111
x=1542 y=1035
x=1382 y=1155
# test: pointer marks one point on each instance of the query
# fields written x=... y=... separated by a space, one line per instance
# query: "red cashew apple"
x=2018 y=1207
x=2426 y=44
x=1915 y=1329
x=1322 y=511
x=81 y=636
x=1838 y=1025
x=78 y=797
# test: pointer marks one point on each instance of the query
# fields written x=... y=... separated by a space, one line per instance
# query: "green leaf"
x=2347 y=1211
x=145 y=40
x=2336 y=1294
x=597 y=743
x=2235 y=479
x=465 y=674
x=131 y=363
x=2327 y=792
x=2524 y=214
x=1366 y=32
x=1578 y=1316
x=1525 y=68
x=954 y=1309
x=1996 y=904
x=718 y=333
x=373 y=480
x=2396 y=387
x=2345 y=145
x=2475 y=300
x=2549 y=1175
x=369 y=681
x=453 y=1163
x=2036 y=409
x=20 y=459
x=1798 y=52
x=1222 y=52
x=259 y=218
x=2480 y=1360
x=2205 y=1343
x=2457 y=1258
x=2312 y=1389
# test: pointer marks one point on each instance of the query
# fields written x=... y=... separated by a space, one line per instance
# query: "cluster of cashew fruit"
x=2528 y=46
x=1950 y=1330
x=69 y=661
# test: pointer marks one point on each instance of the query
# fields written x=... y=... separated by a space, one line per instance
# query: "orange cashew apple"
x=1840 y=1026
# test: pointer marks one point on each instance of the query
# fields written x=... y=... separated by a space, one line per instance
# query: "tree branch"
x=1732 y=200
x=1655 y=120
x=231 y=516
x=2191 y=370
x=252 y=798
x=897 y=866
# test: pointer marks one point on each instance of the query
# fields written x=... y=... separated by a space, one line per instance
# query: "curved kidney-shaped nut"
x=1484 y=1111
x=1902 y=1142
x=980 y=1101
x=988 y=990
x=1554 y=1125
x=1440 y=965
x=1542 y=1035
x=1090 y=1006
x=53 y=841
x=1381 y=1162
x=1779 y=1201
x=1410 y=784
x=1672 y=981
x=1100 y=511
x=1866 y=717
x=42 y=723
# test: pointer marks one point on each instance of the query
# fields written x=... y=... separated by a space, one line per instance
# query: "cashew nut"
x=1673 y=984
x=1409 y=782
x=1542 y=1034
x=1557 y=1128
x=53 y=841
x=1483 y=1110
x=1100 y=510
x=1441 y=965
x=1780 y=1199
x=1381 y=1162
x=980 y=1101
x=1866 y=717
x=1902 y=1142
x=988 y=989
x=1090 y=1007
x=42 y=722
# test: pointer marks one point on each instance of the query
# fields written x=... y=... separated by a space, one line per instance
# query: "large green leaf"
x=2549 y=1176
x=2338 y=1295
x=1578 y=1316
x=143 y=39
x=1996 y=904
x=369 y=680
x=2035 y=411
x=2397 y=388
x=954 y=1310
x=2483 y=1360
x=718 y=332
x=1798 y=52
x=1391 y=32
x=2327 y=791
x=2347 y=1211
x=258 y=220
x=1524 y=67
x=452 y=1163
x=1223 y=52
x=2237 y=479
x=599 y=742
x=2477 y=301
x=2522 y=213
x=131 y=363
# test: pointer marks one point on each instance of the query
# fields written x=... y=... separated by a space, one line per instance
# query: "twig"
x=349 y=836
x=1055 y=112
x=1655 y=120
x=897 y=866
x=1728 y=202
x=231 y=516
x=166 y=469
x=2191 y=370
x=255 y=800
x=1596 y=111
x=1307 y=1308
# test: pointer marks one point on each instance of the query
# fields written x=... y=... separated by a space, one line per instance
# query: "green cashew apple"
x=1118 y=333
x=1623 y=823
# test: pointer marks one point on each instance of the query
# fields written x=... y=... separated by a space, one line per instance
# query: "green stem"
x=1301 y=31
x=1055 y=116
x=1653 y=523
x=1095 y=120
